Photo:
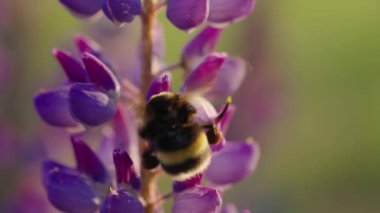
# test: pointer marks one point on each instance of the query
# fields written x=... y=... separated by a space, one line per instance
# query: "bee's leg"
x=213 y=133
x=150 y=161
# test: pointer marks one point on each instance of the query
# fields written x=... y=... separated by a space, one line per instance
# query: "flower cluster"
x=184 y=14
x=96 y=97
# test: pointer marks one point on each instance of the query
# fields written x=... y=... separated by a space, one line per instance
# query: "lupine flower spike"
x=148 y=128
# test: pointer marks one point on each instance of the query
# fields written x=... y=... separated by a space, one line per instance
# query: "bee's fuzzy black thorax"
x=169 y=122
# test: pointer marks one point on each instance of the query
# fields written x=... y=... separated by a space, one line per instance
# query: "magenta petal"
x=230 y=78
x=187 y=14
x=160 y=84
x=89 y=105
x=68 y=190
x=88 y=162
x=121 y=11
x=197 y=199
x=126 y=134
x=223 y=169
x=83 y=7
x=179 y=186
x=204 y=76
x=200 y=46
x=53 y=107
x=73 y=68
x=85 y=44
x=125 y=173
x=99 y=73
x=121 y=202
x=227 y=11
x=50 y=165
x=206 y=112
x=226 y=120
x=105 y=149
x=229 y=208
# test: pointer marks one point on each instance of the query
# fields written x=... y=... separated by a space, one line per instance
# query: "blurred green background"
x=311 y=97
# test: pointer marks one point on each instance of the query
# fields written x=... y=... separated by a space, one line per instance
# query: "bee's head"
x=170 y=109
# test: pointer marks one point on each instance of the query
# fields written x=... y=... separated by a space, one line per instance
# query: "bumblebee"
x=178 y=143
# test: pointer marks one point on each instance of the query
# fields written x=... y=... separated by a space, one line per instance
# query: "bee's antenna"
x=223 y=112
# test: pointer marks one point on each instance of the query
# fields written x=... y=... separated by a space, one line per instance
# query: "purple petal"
x=219 y=146
x=89 y=105
x=187 y=14
x=73 y=68
x=85 y=44
x=230 y=77
x=99 y=73
x=50 y=165
x=200 y=46
x=105 y=150
x=121 y=11
x=125 y=173
x=53 y=107
x=120 y=202
x=229 y=208
x=88 y=162
x=226 y=120
x=197 y=199
x=161 y=84
x=223 y=169
x=125 y=133
x=206 y=112
x=83 y=7
x=68 y=190
x=204 y=76
x=179 y=186
x=227 y=11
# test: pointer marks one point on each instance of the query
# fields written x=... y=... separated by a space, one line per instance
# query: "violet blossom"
x=89 y=187
x=95 y=97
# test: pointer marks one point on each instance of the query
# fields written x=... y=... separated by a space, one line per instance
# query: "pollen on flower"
x=229 y=100
x=250 y=140
x=113 y=191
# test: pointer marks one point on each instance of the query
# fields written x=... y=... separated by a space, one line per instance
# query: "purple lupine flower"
x=230 y=78
x=121 y=11
x=90 y=99
x=223 y=169
x=200 y=47
x=118 y=11
x=232 y=71
x=124 y=133
x=83 y=8
x=203 y=77
x=188 y=14
x=225 y=11
x=93 y=96
x=84 y=189
x=197 y=199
